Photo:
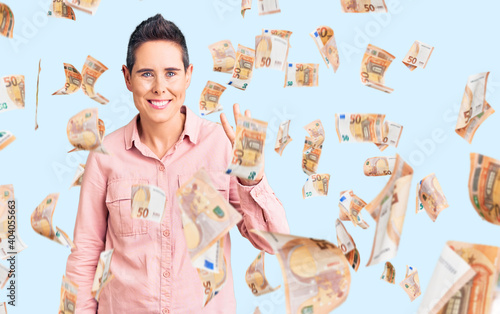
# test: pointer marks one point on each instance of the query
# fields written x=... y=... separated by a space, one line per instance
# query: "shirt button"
x=162 y=167
x=166 y=233
x=166 y=274
x=165 y=311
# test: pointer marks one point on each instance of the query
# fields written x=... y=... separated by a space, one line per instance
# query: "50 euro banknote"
x=355 y=127
x=86 y=131
x=41 y=221
x=256 y=277
x=206 y=215
x=271 y=49
x=316 y=185
x=418 y=56
x=248 y=148
x=465 y=273
x=148 y=202
x=301 y=75
x=316 y=274
x=12 y=93
x=6 y=21
x=223 y=55
x=388 y=209
x=474 y=109
x=430 y=197
x=243 y=68
x=363 y=6
x=324 y=38
x=209 y=99
x=484 y=187
x=374 y=65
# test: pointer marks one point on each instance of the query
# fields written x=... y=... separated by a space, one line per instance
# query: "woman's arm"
x=254 y=199
x=261 y=210
x=89 y=235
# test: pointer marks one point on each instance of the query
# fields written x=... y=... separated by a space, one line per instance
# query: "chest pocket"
x=219 y=179
x=119 y=203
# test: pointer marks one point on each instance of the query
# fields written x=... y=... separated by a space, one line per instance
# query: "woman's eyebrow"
x=151 y=70
x=144 y=70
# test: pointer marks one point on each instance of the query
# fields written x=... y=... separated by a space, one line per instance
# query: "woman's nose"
x=160 y=86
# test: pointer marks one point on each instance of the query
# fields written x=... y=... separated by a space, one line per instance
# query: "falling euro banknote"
x=60 y=9
x=474 y=109
x=315 y=272
x=324 y=38
x=430 y=197
x=12 y=93
x=347 y=245
x=418 y=56
x=271 y=49
x=103 y=274
x=465 y=274
x=355 y=127
x=248 y=148
x=374 y=65
x=209 y=99
x=41 y=221
x=69 y=293
x=87 y=6
x=316 y=185
x=243 y=68
x=92 y=70
x=206 y=215
x=6 y=21
x=86 y=131
x=256 y=277
x=6 y=138
x=363 y=6
x=484 y=187
x=411 y=283
x=388 y=209
x=379 y=166
x=283 y=138
x=301 y=75
x=350 y=206
x=389 y=274
x=223 y=55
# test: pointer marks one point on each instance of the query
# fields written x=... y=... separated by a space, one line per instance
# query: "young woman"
x=164 y=145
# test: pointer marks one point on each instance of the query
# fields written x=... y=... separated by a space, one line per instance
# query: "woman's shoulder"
x=115 y=138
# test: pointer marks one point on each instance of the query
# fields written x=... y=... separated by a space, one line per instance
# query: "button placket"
x=166 y=246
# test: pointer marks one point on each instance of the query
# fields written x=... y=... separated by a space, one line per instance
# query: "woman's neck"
x=160 y=137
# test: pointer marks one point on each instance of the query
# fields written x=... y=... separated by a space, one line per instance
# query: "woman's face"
x=158 y=80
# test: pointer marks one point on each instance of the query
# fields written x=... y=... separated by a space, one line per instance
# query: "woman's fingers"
x=236 y=112
x=247 y=113
x=227 y=128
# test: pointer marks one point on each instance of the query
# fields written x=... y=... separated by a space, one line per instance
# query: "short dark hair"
x=156 y=28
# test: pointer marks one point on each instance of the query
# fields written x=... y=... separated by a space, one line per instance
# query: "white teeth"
x=159 y=103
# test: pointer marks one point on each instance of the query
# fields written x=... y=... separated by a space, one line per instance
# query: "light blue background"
x=425 y=101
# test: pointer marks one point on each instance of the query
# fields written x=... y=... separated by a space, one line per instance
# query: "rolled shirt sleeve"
x=261 y=210
x=89 y=234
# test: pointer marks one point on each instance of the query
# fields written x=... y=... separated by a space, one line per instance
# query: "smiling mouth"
x=159 y=104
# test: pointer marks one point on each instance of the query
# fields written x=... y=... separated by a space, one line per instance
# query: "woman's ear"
x=126 y=76
x=189 y=73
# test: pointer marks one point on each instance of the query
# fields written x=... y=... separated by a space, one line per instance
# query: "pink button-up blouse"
x=151 y=264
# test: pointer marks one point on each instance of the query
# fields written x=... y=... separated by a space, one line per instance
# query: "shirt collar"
x=191 y=128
